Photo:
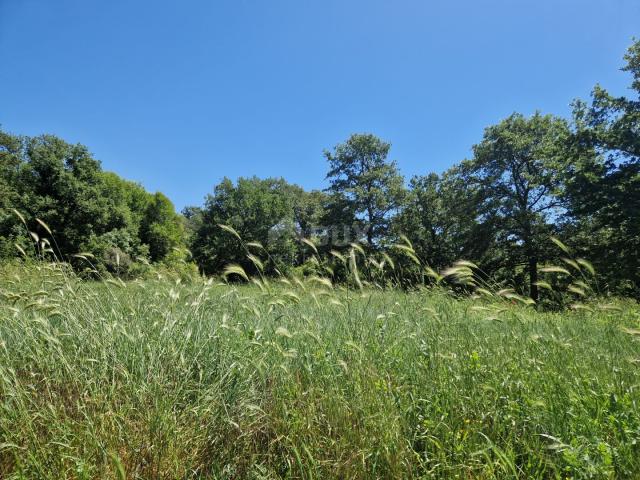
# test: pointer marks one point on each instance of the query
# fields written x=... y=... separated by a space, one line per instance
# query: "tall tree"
x=361 y=175
x=604 y=185
x=517 y=170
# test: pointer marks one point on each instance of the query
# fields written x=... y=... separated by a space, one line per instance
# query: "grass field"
x=167 y=379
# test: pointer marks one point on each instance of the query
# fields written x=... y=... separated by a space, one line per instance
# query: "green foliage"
x=161 y=227
x=114 y=251
x=604 y=183
x=371 y=187
x=440 y=218
x=59 y=183
x=260 y=211
x=10 y=159
x=67 y=200
x=517 y=172
x=309 y=210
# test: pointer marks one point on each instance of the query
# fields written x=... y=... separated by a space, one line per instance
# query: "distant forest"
x=530 y=179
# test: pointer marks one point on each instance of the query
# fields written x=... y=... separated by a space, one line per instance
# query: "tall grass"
x=300 y=378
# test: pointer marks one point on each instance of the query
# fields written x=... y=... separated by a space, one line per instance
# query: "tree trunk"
x=370 y=225
x=533 y=277
x=532 y=256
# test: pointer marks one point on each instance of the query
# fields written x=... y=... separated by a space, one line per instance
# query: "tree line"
x=48 y=185
x=529 y=179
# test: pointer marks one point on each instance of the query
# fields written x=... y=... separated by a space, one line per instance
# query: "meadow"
x=194 y=378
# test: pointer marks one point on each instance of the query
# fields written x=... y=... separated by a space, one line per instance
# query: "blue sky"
x=178 y=94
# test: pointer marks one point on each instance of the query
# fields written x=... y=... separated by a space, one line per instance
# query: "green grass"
x=159 y=379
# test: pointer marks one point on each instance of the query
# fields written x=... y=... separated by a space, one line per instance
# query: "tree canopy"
x=259 y=211
x=517 y=170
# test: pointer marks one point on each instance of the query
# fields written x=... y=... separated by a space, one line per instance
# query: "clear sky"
x=178 y=94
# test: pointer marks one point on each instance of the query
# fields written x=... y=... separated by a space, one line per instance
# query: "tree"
x=361 y=176
x=60 y=184
x=192 y=222
x=260 y=211
x=10 y=162
x=308 y=211
x=161 y=227
x=85 y=208
x=308 y=219
x=517 y=171
x=604 y=184
x=440 y=218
